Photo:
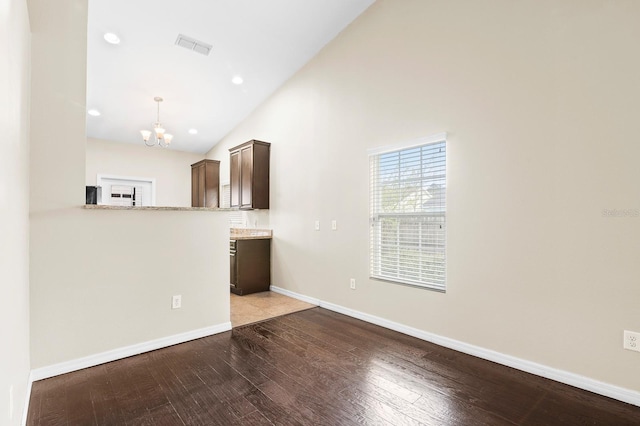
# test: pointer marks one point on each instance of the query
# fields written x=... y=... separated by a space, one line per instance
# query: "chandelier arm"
x=158 y=138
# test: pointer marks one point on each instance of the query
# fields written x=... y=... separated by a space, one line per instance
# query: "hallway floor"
x=261 y=306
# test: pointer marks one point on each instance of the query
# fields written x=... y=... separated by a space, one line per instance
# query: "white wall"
x=540 y=100
x=14 y=209
x=103 y=280
x=171 y=169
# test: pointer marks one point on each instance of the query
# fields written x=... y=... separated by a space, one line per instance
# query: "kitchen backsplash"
x=251 y=219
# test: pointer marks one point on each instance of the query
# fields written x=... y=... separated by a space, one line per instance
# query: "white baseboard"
x=25 y=410
x=127 y=351
x=576 y=380
x=294 y=295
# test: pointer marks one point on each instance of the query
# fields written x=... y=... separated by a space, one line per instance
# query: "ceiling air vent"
x=193 y=44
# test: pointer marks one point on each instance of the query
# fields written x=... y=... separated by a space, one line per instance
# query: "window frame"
x=420 y=218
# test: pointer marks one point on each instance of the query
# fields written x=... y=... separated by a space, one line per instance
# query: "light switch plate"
x=317 y=225
x=176 y=301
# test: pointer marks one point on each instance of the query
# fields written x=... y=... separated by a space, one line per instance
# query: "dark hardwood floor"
x=314 y=367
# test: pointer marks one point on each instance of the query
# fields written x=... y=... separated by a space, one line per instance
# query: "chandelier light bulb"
x=160 y=137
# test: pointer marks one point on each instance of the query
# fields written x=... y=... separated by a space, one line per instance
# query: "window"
x=235 y=216
x=408 y=213
x=226 y=196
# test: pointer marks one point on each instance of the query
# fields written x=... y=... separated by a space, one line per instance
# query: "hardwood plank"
x=316 y=399
x=338 y=409
x=224 y=384
x=413 y=369
x=314 y=367
x=454 y=411
x=78 y=399
x=177 y=383
x=255 y=418
x=53 y=404
x=409 y=409
x=35 y=403
x=298 y=368
x=270 y=410
x=345 y=362
x=106 y=409
x=130 y=401
x=571 y=406
x=164 y=415
x=378 y=410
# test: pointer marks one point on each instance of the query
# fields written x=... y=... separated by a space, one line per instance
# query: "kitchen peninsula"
x=196 y=209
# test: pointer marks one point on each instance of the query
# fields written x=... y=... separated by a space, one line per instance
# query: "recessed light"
x=193 y=131
x=237 y=80
x=112 y=38
x=94 y=112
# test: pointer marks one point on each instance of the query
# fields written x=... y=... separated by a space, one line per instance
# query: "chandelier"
x=160 y=137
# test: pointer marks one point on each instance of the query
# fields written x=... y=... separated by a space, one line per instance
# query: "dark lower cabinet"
x=250 y=263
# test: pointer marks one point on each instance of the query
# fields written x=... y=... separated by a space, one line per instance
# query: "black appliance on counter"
x=94 y=194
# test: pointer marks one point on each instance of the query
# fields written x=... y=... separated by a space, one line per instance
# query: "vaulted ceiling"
x=263 y=42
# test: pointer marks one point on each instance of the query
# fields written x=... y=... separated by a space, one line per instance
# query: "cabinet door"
x=260 y=177
x=253 y=266
x=211 y=183
x=246 y=177
x=235 y=178
x=201 y=186
x=233 y=277
x=205 y=183
x=195 y=187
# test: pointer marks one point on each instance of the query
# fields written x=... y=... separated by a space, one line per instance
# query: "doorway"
x=127 y=190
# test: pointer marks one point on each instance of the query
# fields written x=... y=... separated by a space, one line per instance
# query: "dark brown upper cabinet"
x=250 y=175
x=205 y=183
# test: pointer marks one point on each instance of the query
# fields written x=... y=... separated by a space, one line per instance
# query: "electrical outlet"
x=176 y=302
x=631 y=341
x=352 y=283
x=317 y=225
x=334 y=225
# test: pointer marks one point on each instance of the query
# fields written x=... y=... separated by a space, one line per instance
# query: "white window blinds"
x=235 y=216
x=226 y=196
x=408 y=215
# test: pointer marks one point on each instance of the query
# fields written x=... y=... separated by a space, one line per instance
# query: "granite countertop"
x=250 y=234
x=158 y=208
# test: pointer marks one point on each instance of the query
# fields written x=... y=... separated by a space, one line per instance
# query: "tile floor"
x=261 y=306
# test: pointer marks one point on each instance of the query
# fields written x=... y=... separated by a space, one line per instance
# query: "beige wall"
x=14 y=209
x=171 y=169
x=103 y=280
x=540 y=101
